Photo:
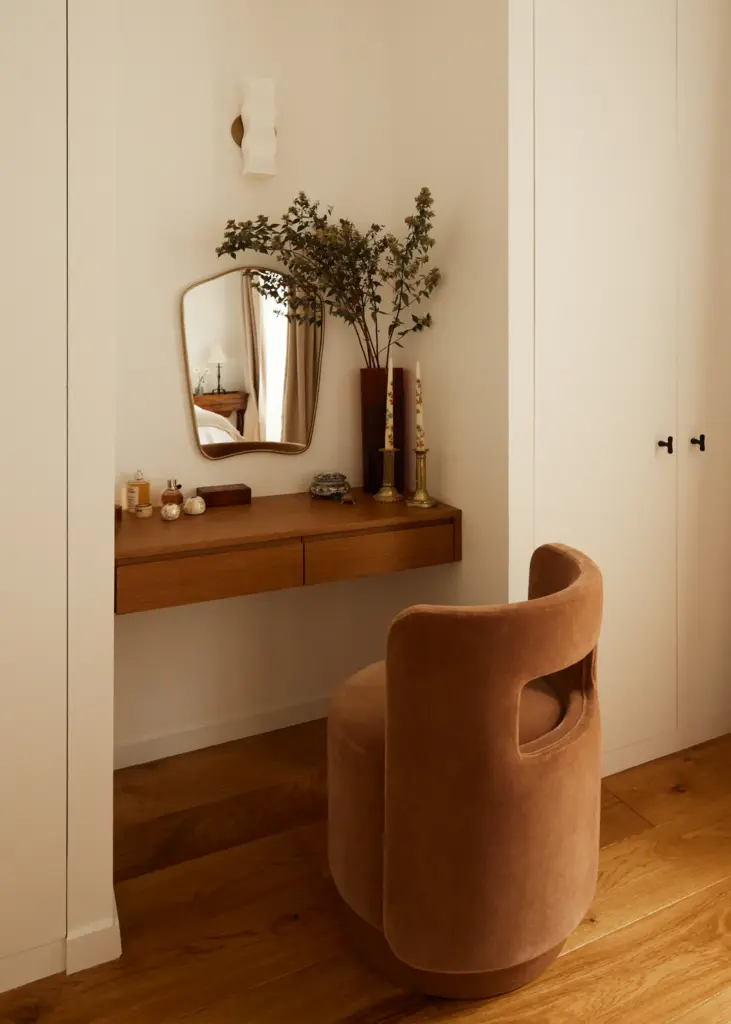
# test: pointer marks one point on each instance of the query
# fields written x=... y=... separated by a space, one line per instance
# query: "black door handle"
x=700 y=441
x=667 y=444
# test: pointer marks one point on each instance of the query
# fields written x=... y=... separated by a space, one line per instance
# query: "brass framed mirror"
x=253 y=359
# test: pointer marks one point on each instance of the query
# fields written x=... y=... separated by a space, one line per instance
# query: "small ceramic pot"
x=194 y=506
x=170 y=512
x=143 y=511
x=329 y=485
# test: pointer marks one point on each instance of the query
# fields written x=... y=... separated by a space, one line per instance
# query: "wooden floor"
x=228 y=915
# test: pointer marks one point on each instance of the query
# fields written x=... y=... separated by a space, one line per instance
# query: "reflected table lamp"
x=217 y=356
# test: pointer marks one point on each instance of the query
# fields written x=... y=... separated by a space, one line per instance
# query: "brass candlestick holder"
x=388 y=492
x=421 y=497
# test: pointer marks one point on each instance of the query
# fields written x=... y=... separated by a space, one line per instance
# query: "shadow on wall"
x=212 y=682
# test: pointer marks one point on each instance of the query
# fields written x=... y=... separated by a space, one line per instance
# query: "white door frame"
x=521 y=296
x=92 y=925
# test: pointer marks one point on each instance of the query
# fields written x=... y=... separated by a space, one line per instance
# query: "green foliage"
x=350 y=271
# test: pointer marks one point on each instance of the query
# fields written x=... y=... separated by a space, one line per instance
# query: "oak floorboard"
x=618 y=821
x=649 y=973
x=716 y=1010
x=198 y=932
x=341 y=989
x=647 y=872
x=672 y=786
x=228 y=913
x=184 y=835
x=174 y=810
x=145 y=792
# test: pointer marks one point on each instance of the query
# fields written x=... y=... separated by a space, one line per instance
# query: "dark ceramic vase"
x=373 y=426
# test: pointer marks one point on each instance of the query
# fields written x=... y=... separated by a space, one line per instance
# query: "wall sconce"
x=254 y=129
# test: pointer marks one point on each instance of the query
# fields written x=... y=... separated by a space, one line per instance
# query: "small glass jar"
x=172 y=495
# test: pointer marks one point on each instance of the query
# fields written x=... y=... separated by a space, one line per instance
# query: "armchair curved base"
x=371 y=944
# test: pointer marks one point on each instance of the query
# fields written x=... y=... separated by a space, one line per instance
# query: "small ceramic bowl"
x=329 y=485
x=170 y=512
x=194 y=506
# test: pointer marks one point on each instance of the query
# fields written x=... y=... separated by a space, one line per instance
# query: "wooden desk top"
x=267 y=520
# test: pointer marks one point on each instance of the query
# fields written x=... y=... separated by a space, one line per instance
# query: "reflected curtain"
x=254 y=364
x=300 y=382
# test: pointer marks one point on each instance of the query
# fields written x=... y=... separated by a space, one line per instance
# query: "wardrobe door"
x=605 y=333
x=704 y=310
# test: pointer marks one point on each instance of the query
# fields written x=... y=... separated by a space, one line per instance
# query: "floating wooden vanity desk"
x=287 y=540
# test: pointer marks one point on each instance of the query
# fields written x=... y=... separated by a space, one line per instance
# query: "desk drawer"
x=174 y=581
x=367 y=554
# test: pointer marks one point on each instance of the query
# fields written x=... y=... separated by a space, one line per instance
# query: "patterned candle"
x=388 y=443
x=420 y=436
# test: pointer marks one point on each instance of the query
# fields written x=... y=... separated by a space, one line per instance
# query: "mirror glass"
x=253 y=358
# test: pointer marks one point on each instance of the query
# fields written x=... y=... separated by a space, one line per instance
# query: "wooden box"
x=226 y=494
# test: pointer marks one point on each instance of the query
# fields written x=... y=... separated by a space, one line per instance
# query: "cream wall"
x=188 y=676
x=452 y=81
x=153 y=177
x=33 y=517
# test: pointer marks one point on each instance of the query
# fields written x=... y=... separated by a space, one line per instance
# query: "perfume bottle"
x=138 y=491
x=172 y=495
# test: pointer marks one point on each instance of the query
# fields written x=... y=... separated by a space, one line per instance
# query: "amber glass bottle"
x=172 y=495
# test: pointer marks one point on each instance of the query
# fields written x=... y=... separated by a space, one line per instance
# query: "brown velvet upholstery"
x=464 y=783
x=357 y=741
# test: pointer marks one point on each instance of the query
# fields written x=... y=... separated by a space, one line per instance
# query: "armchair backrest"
x=479 y=831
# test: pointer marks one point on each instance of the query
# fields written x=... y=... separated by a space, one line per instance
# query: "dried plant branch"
x=332 y=264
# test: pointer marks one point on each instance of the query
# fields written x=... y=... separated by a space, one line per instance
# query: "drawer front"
x=224 y=404
x=367 y=554
x=162 y=584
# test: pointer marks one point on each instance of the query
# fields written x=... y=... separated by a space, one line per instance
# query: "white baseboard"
x=86 y=947
x=154 y=747
x=22 y=968
x=93 y=944
x=660 y=746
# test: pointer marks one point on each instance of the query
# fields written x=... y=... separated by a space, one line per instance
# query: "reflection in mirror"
x=253 y=358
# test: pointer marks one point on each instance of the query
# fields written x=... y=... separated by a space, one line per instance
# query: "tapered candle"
x=388 y=443
x=420 y=436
